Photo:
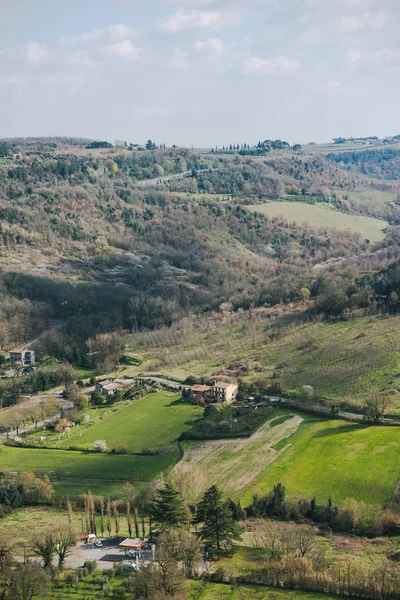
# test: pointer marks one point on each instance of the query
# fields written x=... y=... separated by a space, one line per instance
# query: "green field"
x=311 y=457
x=372 y=198
x=324 y=217
x=235 y=464
x=154 y=421
x=220 y=591
x=347 y=147
x=322 y=459
x=335 y=459
x=86 y=465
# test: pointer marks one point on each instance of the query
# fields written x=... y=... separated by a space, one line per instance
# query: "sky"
x=200 y=72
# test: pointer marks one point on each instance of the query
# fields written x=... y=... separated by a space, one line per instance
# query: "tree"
x=45 y=548
x=376 y=406
x=150 y=145
x=168 y=507
x=218 y=524
x=96 y=398
x=71 y=392
x=190 y=481
x=27 y=582
x=63 y=540
x=100 y=446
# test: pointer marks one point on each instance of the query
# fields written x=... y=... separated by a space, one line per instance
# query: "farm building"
x=219 y=392
x=22 y=356
x=108 y=388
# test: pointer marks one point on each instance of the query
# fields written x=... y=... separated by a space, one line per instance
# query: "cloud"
x=357 y=22
x=270 y=66
x=178 y=59
x=389 y=57
x=37 y=53
x=183 y=20
x=334 y=87
x=112 y=33
x=213 y=47
x=125 y=50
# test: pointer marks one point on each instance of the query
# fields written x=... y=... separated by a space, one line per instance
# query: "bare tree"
x=64 y=541
x=28 y=582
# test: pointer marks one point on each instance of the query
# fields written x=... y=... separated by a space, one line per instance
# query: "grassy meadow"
x=311 y=457
x=335 y=459
x=324 y=217
x=221 y=591
x=86 y=465
x=371 y=198
x=234 y=464
x=154 y=421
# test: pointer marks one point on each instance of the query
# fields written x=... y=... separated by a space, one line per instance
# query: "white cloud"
x=200 y=19
x=178 y=59
x=37 y=53
x=386 y=57
x=270 y=66
x=334 y=87
x=112 y=33
x=125 y=50
x=357 y=22
x=119 y=32
x=212 y=47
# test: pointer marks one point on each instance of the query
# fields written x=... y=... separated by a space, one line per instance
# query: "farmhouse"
x=22 y=356
x=202 y=392
x=225 y=392
x=108 y=387
x=219 y=392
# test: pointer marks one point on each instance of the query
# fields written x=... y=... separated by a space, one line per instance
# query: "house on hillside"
x=219 y=392
x=225 y=392
x=108 y=387
x=22 y=357
x=202 y=392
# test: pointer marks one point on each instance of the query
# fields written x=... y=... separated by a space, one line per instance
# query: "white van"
x=129 y=566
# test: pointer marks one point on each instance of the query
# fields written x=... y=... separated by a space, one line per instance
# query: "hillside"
x=344 y=361
x=117 y=239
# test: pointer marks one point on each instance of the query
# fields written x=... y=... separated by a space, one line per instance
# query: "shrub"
x=100 y=446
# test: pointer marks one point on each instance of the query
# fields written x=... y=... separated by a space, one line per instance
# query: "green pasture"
x=371 y=198
x=335 y=459
x=154 y=421
x=324 y=217
x=85 y=465
x=220 y=591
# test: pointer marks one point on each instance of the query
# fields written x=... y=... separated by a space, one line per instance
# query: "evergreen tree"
x=168 y=507
x=218 y=524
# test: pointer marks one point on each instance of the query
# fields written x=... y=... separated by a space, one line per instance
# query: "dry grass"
x=234 y=464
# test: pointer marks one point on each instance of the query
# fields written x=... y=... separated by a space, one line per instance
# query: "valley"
x=152 y=282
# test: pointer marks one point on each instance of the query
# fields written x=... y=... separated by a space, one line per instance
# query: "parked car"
x=128 y=566
x=98 y=544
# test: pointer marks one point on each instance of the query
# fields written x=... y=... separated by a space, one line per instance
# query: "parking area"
x=108 y=554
